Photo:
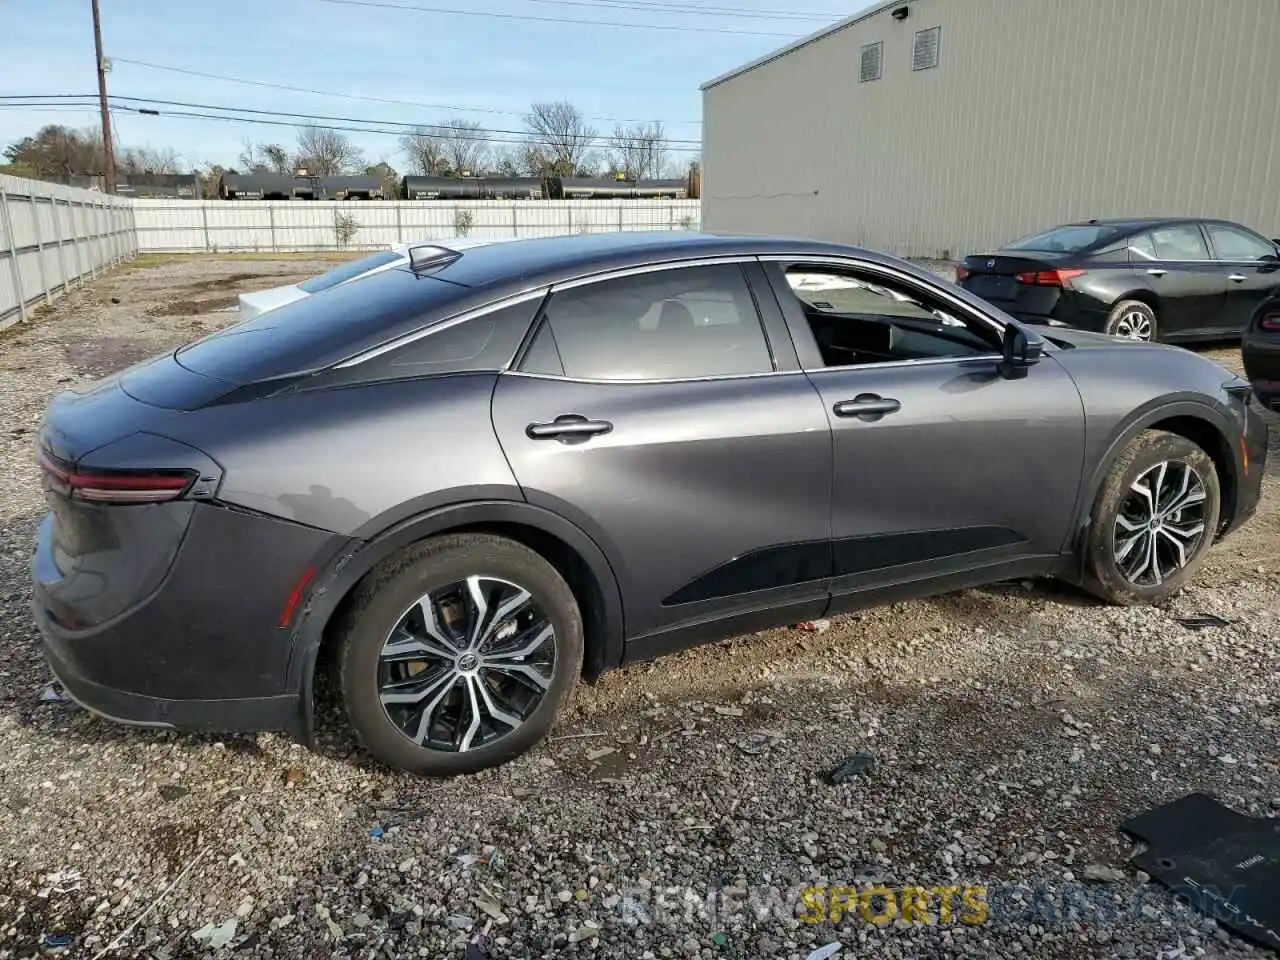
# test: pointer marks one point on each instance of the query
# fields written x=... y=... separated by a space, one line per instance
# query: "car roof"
x=543 y=260
x=1139 y=223
x=314 y=332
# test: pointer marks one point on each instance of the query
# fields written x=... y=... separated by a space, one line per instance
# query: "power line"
x=405 y=127
x=352 y=96
x=684 y=9
x=343 y=128
x=573 y=20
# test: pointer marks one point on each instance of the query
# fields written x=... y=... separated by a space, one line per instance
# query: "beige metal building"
x=936 y=127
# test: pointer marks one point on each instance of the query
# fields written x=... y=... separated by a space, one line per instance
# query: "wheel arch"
x=1195 y=420
x=571 y=551
x=1142 y=295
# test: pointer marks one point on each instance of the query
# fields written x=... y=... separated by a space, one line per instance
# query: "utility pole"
x=108 y=149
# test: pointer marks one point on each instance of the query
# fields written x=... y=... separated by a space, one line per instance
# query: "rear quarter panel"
x=357 y=460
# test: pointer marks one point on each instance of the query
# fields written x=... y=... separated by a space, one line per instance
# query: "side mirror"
x=1022 y=349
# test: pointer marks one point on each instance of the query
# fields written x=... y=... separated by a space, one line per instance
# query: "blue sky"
x=477 y=64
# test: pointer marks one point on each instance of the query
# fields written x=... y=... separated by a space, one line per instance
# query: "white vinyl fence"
x=299 y=225
x=52 y=236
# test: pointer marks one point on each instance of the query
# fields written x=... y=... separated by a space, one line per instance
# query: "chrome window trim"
x=639 y=381
x=618 y=273
x=414 y=335
x=920 y=362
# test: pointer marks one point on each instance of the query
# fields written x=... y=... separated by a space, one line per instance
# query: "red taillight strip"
x=1270 y=322
x=295 y=597
x=1049 y=278
x=116 y=487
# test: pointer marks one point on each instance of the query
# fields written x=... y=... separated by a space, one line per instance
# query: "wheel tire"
x=1129 y=315
x=383 y=599
x=1104 y=576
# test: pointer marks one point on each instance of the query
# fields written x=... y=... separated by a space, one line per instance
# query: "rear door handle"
x=568 y=428
x=1157 y=272
x=1238 y=277
x=867 y=406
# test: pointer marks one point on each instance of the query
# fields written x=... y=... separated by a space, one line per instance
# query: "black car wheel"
x=1133 y=320
x=459 y=654
x=1153 y=520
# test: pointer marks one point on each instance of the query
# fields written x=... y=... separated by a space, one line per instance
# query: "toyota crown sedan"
x=472 y=479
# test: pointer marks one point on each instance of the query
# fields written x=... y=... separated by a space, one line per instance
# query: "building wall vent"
x=924 y=54
x=869 y=69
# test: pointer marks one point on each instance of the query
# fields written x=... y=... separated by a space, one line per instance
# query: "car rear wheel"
x=1153 y=520
x=458 y=655
x=1133 y=320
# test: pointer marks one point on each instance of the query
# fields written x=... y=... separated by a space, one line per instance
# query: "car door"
x=1252 y=269
x=1190 y=286
x=651 y=409
x=943 y=468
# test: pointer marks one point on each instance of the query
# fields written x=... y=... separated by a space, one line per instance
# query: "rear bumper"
x=221 y=716
x=1070 y=311
x=205 y=650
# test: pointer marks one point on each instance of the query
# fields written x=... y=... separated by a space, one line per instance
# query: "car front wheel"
x=1133 y=320
x=458 y=654
x=1153 y=521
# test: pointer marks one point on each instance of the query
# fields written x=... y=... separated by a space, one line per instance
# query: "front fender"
x=338 y=574
x=1144 y=417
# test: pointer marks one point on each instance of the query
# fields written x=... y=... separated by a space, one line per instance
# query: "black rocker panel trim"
x=789 y=564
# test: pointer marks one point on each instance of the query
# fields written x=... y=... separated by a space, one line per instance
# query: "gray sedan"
x=467 y=481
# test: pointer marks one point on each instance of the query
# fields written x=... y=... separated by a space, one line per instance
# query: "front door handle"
x=1238 y=277
x=568 y=428
x=867 y=406
x=1157 y=272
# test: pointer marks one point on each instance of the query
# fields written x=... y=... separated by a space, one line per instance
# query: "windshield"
x=349 y=271
x=1068 y=239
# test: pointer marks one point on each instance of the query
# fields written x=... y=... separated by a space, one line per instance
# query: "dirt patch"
x=102 y=356
x=190 y=308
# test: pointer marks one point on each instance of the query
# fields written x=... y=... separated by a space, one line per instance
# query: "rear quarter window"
x=318 y=331
x=478 y=344
x=1070 y=239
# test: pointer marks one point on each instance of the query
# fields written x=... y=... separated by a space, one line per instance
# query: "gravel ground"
x=681 y=807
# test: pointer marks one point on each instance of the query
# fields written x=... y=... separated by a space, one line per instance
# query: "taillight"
x=962 y=273
x=1049 y=278
x=1270 y=321
x=115 y=486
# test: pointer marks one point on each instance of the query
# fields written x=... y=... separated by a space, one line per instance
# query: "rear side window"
x=476 y=345
x=349 y=271
x=676 y=324
x=1183 y=241
x=1141 y=247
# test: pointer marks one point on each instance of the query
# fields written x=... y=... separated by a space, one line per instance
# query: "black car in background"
x=1260 y=351
x=1170 y=279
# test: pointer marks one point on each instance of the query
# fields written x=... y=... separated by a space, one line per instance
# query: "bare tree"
x=424 y=150
x=324 y=152
x=638 y=151
x=558 y=139
x=278 y=158
x=505 y=161
x=464 y=145
x=147 y=160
